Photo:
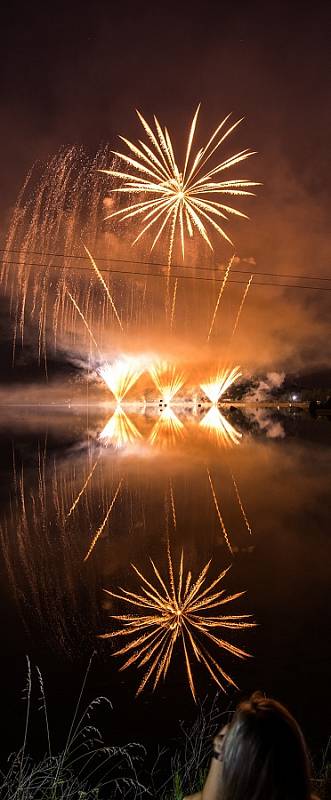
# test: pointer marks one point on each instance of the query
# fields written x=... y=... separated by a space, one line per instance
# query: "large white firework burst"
x=178 y=201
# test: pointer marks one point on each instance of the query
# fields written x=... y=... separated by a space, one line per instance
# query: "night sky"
x=73 y=73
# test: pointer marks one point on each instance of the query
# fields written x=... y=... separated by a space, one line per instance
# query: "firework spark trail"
x=241 y=505
x=173 y=507
x=176 y=613
x=84 y=487
x=171 y=247
x=103 y=282
x=102 y=526
x=83 y=319
x=177 y=199
x=219 y=513
x=220 y=295
x=173 y=304
x=241 y=306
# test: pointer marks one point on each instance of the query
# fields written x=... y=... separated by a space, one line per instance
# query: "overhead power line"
x=133 y=273
x=162 y=264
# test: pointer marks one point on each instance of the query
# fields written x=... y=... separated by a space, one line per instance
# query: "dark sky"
x=73 y=73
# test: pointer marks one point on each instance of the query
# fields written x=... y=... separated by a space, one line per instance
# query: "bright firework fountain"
x=121 y=376
x=216 y=389
x=167 y=379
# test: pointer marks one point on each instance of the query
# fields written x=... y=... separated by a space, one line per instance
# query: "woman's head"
x=265 y=756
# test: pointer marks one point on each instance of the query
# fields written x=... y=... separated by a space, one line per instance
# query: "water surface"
x=269 y=518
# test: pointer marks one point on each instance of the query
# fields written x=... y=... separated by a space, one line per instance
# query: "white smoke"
x=259 y=393
x=273 y=380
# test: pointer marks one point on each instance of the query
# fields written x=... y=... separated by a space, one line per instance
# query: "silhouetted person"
x=260 y=755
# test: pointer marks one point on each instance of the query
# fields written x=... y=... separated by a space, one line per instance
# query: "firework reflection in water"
x=119 y=431
x=171 y=610
x=43 y=533
x=219 y=428
x=167 y=430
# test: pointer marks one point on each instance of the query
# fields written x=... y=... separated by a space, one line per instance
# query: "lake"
x=87 y=492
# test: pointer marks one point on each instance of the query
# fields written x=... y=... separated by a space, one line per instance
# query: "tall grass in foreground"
x=189 y=761
x=86 y=768
x=322 y=775
x=186 y=763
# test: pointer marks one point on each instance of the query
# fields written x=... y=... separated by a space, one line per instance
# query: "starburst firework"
x=178 y=201
x=180 y=611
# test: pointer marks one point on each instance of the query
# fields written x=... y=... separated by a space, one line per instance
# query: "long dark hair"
x=265 y=755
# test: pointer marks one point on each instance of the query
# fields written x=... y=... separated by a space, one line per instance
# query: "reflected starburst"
x=173 y=610
x=219 y=428
x=178 y=201
x=119 y=431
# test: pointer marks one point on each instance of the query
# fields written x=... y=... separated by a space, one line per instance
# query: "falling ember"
x=218 y=512
x=179 y=201
x=59 y=198
x=104 y=522
x=241 y=506
x=76 y=306
x=171 y=610
x=216 y=388
x=103 y=283
x=226 y=275
x=173 y=305
x=167 y=429
x=220 y=428
x=167 y=379
x=121 y=376
x=83 y=489
x=119 y=430
x=241 y=306
x=173 y=507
